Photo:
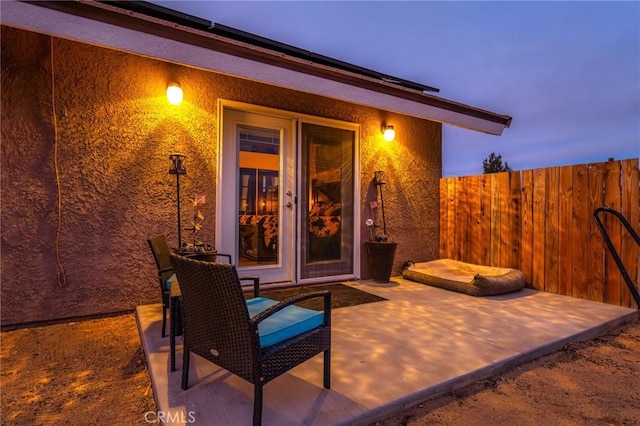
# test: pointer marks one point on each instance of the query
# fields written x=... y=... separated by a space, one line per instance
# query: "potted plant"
x=380 y=251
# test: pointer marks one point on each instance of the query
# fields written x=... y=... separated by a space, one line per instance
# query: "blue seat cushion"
x=172 y=279
x=259 y=304
x=284 y=324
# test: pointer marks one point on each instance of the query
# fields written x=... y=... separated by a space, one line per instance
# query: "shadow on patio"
x=386 y=355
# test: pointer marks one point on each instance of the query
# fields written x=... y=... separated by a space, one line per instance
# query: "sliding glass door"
x=327 y=202
x=286 y=200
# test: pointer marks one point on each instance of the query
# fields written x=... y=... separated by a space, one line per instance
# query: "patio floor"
x=387 y=355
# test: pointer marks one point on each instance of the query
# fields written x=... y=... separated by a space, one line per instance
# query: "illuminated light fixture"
x=389 y=133
x=174 y=93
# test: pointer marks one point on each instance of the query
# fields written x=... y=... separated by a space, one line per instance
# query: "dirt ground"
x=83 y=373
x=94 y=372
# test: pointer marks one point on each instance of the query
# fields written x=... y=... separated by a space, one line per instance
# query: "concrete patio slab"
x=386 y=356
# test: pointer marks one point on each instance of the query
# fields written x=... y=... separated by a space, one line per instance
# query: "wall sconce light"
x=389 y=133
x=174 y=93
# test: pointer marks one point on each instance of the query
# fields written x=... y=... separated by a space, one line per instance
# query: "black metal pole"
x=384 y=223
x=179 y=225
x=177 y=168
x=612 y=248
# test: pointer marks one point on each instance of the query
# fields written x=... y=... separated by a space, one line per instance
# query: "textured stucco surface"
x=104 y=115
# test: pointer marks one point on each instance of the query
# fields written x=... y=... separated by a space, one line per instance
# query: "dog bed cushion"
x=468 y=278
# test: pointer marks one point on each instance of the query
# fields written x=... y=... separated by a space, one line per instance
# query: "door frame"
x=303 y=118
x=297 y=118
x=282 y=269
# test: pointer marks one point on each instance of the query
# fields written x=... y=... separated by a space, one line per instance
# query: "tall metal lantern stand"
x=381 y=251
x=378 y=181
x=178 y=168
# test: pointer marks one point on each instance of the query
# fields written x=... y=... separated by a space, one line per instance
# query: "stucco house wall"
x=86 y=134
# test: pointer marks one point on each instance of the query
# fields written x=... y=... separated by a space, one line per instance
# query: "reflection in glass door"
x=258 y=211
x=327 y=207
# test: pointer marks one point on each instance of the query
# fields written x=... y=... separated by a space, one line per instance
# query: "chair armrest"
x=295 y=299
x=256 y=283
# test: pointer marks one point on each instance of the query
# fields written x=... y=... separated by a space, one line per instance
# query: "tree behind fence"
x=541 y=222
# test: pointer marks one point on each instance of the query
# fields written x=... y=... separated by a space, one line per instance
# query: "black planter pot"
x=380 y=257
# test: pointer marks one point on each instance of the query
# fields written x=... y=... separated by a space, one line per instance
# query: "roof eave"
x=112 y=27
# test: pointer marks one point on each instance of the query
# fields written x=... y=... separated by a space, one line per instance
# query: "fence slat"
x=466 y=223
x=565 y=237
x=580 y=219
x=485 y=204
x=612 y=198
x=444 y=229
x=526 y=258
x=595 y=252
x=495 y=221
x=515 y=199
x=506 y=236
x=475 y=213
x=450 y=219
x=539 y=214
x=551 y=241
x=462 y=219
x=631 y=211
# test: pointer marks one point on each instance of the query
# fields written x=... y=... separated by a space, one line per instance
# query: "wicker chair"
x=245 y=336
x=160 y=250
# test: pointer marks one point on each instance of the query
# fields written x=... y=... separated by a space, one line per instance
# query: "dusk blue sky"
x=567 y=72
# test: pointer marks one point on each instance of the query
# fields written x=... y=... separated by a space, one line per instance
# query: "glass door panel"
x=327 y=205
x=258 y=211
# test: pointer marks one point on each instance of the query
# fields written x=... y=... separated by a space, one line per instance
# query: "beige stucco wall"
x=105 y=116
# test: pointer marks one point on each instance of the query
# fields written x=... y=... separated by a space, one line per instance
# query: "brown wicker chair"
x=217 y=326
x=160 y=250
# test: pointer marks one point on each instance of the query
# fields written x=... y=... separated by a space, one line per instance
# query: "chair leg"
x=327 y=369
x=164 y=320
x=257 y=404
x=174 y=322
x=172 y=339
x=185 y=369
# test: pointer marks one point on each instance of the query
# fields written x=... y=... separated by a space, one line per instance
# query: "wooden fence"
x=541 y=222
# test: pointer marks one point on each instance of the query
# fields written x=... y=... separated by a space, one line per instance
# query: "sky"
x=567 y=72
